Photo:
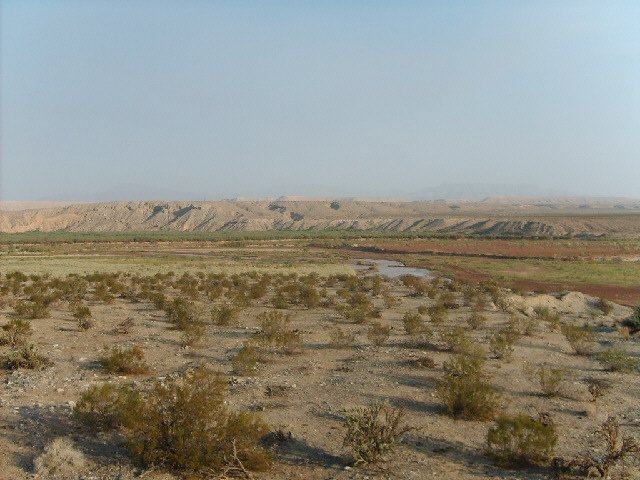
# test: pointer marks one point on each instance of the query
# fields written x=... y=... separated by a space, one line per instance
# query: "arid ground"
x=305 y=394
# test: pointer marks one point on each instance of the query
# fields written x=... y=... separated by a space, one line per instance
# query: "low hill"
x=496 y=216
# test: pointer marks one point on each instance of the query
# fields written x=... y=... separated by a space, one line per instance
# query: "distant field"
x=602 y=267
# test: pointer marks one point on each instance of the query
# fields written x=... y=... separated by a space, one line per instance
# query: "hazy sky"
x=220 y=99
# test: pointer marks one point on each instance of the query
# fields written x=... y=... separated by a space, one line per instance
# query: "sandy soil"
x=307 y=394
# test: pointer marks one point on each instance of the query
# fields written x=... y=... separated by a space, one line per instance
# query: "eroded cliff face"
x=497 y=218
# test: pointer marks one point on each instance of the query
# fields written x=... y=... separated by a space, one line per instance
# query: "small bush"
x=373 y=431
x=520 y=440
x=597 y=387
x=60 y=461
x=27 y=357
x=181 y=313
x=617 y=359
x=184 y=424
x=340 y=339
x=125 y=326
x=455 y=340
x=84 y=318
x=107 y=406
x=224 y=315
x=16 y=332
x=378 y=334
x=124 y=361
x=464 y=390
x=193 y=333
x=500 y=346
x=476 y=320
x=582 y=340
x=246 y=361
x=32 y=310
x=275 y=331
x=633 y=321
x=549 y=378
x=605 y=306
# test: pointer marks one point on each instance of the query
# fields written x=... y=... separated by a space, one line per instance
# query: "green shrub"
x=500 y=345
x=581 y=339
x=184 y=424
x=31 y=310
x=246 y=361
x=378 y=334
x=27 y=357
x=193 y=333
x=520 y=440
x=438 y=313
x=464 y=390
x=16 y=332
x=181 y=313
x=633 y=321
x=373 y=431
x=455 y=340
x=617 y=359
x=476 y=320
x=549 y=378
x=106 y=406
x=124 y=361
x=224 y=315
x=84 y=318
x=275 y=331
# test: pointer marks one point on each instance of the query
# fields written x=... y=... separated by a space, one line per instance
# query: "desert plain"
x=531 y=288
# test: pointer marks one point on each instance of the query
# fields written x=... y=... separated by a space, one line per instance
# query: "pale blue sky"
x=220 y=99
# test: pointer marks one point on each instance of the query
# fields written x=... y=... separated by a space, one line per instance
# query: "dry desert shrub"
x=60 y=461
x=373 y=431
x=633 y=321
x=597 y=387
x=605 y=306
x=588 y=465
x=83 y=316
x=341 y=339
x=275 y=331
x=617 y=359
x=581 y=339
x=106 y=406
x=27 y=357
x=464 y=389
x=247 y=360
x=378 y=334
x=550 y=379
x=185 y=424
x=15 y=332
x=124 y=361
x=520 y=440
x=224 y=314
x=476 y=320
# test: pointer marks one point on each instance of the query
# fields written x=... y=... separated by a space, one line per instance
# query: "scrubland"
x=273 y=360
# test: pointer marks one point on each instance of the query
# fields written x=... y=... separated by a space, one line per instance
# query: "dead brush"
x=587 y=464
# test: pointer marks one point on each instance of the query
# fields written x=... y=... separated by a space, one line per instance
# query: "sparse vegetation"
x=184 y=424
x=124 y=361
x=617 y=359
x=27 y=357
x=373 y=431
x=464 y=390
x=520 y=440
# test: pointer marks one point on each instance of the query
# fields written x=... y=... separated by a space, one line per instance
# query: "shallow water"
x=390 y=268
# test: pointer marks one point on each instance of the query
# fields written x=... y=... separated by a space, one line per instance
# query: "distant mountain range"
x=445 y=191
